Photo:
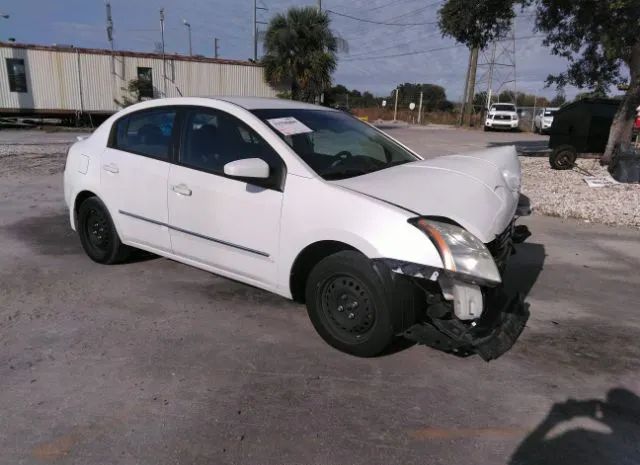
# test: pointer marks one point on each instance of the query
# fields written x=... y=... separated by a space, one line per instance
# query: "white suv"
x=314 y=205
x=544 y=120
x=502 y=116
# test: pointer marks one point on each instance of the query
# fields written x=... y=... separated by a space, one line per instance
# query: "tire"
x=349 y=304
x=563 y=157
x=486 y=129
x=98 y=235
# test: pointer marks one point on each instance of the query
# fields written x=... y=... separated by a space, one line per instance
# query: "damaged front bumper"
x=490 y=336
x=464 y=314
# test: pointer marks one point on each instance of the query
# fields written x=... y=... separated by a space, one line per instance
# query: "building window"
x=145 y=79
x=17 y=75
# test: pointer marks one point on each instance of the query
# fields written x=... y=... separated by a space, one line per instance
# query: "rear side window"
x=146 y=133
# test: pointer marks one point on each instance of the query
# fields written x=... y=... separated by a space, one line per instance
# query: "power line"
x=403 y=1
x=420 y=52
x=367 y=52
x=390 y=4
x=382 y=23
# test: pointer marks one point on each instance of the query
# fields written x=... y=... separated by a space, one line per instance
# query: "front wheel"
x=98 y=235
x=349 y=305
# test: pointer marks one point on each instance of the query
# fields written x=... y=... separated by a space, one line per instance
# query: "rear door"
x=134 y=174
x=230 y=224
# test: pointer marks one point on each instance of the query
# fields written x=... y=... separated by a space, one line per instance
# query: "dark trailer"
x=580 y=127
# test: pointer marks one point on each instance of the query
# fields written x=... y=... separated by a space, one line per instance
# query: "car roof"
x=261 y=103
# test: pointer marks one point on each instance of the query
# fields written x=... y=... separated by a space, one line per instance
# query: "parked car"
x=502 y=116
x=543 y=120
x=314 y=205
x=581 y=127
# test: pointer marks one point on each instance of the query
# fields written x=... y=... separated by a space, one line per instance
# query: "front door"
x=134 y=174
x=229 y=224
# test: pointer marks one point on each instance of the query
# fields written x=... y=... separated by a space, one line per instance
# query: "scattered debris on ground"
x=566 y=194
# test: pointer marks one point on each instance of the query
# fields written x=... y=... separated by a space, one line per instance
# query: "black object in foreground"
x=625 y=165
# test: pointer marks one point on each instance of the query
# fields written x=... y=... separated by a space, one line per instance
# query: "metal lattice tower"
x=497 y=67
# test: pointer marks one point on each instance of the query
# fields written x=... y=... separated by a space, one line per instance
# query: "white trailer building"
x=60 y=81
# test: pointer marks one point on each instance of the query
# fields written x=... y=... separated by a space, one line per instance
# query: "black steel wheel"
x=563 y=157
x=98 y=235
x=349 y=304
x=347 y=307
x=96 y=228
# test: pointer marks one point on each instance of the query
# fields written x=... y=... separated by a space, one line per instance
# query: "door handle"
x=111 y=168
x=181 y=189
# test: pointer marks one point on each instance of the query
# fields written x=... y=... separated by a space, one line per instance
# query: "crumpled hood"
x=477 y=190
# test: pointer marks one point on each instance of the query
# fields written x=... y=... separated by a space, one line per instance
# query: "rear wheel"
x=349 y=304
x=98 y=235
x=563 y=157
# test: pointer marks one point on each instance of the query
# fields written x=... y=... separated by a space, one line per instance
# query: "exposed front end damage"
x=463 y=314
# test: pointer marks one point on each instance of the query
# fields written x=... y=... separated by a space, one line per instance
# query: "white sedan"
x=314 y=205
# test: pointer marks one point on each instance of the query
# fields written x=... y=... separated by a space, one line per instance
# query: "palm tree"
x=300 y=52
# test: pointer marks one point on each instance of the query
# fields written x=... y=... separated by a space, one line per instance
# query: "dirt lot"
x=154 y=362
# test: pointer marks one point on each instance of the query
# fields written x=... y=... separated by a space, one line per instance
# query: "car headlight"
x=512 y=180
x=461 y=251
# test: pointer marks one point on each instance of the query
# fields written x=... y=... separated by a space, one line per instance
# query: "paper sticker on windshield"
x=289 y=126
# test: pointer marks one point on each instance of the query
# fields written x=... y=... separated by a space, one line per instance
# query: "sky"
x=371 y=63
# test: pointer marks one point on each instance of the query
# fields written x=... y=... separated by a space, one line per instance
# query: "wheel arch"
x=309 y=257
x=80 y=197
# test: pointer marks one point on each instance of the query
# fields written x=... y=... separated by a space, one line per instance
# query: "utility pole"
x=395 y=109
x=491 y=70
x=164 y=63
x=110 y=35
x=255 y=28
x=215 y=47
x=188 y=25
x=420 y=108
x=471 y=85
x=319 y=5
x=463 y=105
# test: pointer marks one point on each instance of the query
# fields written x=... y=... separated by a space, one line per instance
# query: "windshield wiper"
x=342 y=174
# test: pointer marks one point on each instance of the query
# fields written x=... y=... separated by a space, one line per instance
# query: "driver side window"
x=213 y=138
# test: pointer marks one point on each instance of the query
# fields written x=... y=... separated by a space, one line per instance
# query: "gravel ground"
x=566 y=195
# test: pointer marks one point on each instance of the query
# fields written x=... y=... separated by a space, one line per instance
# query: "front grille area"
x=502 y=117
x=502 y=246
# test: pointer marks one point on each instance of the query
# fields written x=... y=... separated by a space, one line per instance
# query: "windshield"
x=503 y=108
x=334 y=144
x=550 y=112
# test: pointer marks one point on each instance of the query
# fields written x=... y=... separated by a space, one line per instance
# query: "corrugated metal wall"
x=80 y=81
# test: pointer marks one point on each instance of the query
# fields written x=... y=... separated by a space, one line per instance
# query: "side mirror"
x=247 y=168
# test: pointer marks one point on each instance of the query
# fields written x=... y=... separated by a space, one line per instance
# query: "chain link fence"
x=418 y=104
